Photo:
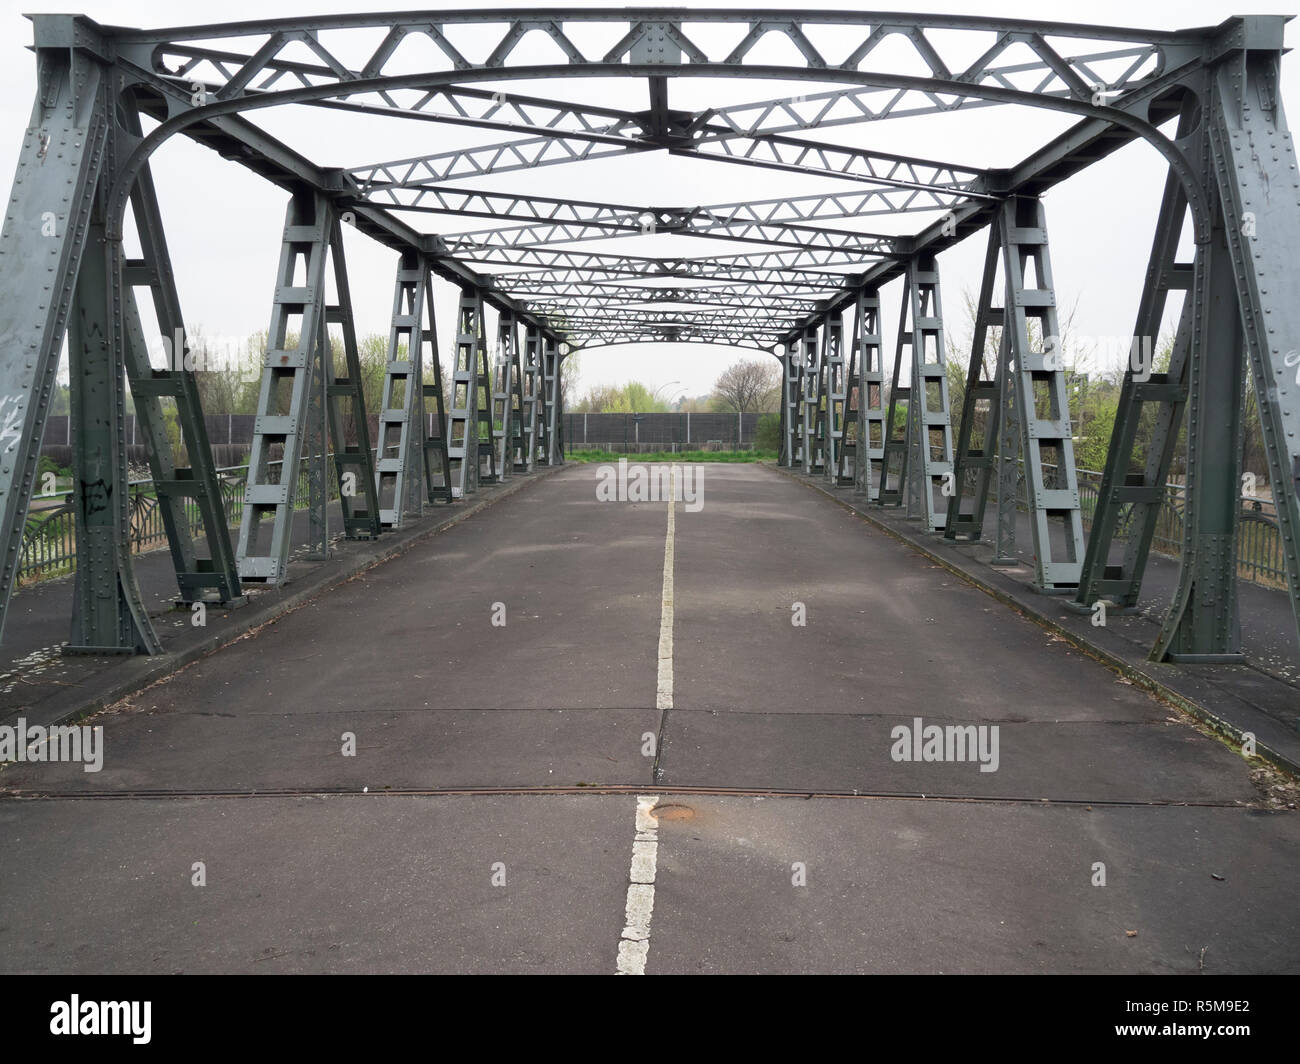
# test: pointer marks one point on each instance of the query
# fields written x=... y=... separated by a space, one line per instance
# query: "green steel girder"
x=928 y=461
x=1064 y=83
x=1244 y=315
x=1242 y=285
x=805 y=407
x=41 y=247
x=292 y=375
x=402 y=413
x=468 y=371
x=814 y=389
x=895 y=453
x=838 y=371
x=533 y=431
x=507 y=399
x=975 y=458
x=109 y=614
x=1046 y=440
x=437 y=456
x=345 y=405
x=791 y=393
x=1137 y=497
x=869 y=378
x=549 y=448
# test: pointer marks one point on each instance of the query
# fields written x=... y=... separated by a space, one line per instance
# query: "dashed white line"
x=634 y=945
x=664 y=694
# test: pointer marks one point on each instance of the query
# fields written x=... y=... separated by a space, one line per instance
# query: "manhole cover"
x=673 y=812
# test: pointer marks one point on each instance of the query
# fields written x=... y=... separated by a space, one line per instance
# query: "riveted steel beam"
x=399 y=468
x=213 y=577
x=42 y=243
x=206 y=82
x=109 y=613
x=868 y=378
x=292 y=370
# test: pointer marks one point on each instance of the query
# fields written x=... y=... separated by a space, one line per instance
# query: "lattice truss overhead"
x=502 y=114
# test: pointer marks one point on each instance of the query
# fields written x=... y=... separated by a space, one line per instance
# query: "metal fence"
x=631 y=433
x=50 y=537
x=1259 y=539
x=50 y=540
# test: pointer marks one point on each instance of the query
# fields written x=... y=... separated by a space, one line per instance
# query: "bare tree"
x=747 y=386
x=570 y=373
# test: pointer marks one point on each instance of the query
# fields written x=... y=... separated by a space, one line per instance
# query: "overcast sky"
x=224 y=224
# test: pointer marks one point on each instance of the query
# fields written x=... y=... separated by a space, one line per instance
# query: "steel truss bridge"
x=809 y=290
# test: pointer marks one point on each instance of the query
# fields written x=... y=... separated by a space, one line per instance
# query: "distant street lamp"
x=655 y=393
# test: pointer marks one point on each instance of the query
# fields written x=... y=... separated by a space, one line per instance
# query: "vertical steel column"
x=791 y=391
x=486 y=425
x=810 y=402
x=216 y=576
x=1008 y=466
x=148 y=387
x=851 y=451
x=437 y=460
x=400 y=458
x=315 y=438
x=1256 y=170
x=42 y=242
x=559 y=402
x=834 y=416
x=345 y=404
x=109 y=615
x=820 y=424
x=516 y=444
x=549 y=445
x=532 y=385
x=976 y=455
x=1041 y=396
x=554 y=368
x=1202 y=623
x=868 y=469
x=1135 y=500
x=545 y=379
x=894 y=450
x=463 y=442
x=286 y=389
x=928 y=416
x=505 y=385
x=847 y=449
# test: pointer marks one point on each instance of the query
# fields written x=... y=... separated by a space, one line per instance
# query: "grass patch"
x=596 y=455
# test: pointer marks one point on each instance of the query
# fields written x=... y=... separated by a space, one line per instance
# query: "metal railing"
x=50 y=537
x=1259 y=540
x=50 y=540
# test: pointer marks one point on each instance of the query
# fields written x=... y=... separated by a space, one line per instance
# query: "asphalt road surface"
x=984 y=797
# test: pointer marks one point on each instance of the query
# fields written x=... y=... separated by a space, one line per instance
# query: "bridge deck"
x=933 y=866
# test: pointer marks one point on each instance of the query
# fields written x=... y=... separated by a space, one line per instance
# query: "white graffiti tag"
x=10 y=421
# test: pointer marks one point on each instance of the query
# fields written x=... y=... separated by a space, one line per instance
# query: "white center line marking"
x=664 y=695
x=634 y=945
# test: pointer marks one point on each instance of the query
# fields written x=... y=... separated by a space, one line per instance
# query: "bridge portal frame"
x=1232 y=170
